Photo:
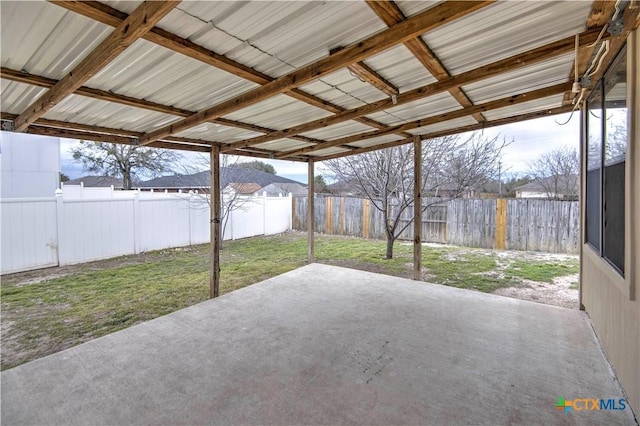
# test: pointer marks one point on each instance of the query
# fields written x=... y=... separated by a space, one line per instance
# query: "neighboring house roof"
x=547 y=184
x=96 y=182
x=227 y=175
x=341 y=188
x=245 y=188
x=275 y=189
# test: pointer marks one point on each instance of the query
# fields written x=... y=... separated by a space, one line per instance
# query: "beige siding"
x=612 y=301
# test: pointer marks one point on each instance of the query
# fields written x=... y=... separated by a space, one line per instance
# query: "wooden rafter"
x=103 y=95
x=459 y=113
x=470 y=128
x=539 y=54
x=109 y=16
x=391 y=15
x=364 y=72
x=94 y=133
x=421 y=23
x=131 y=29
x=368 y=75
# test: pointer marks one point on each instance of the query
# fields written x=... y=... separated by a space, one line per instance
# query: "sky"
x=530 y=139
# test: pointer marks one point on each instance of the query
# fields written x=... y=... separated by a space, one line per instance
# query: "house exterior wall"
x=611 y=300
x=531 y=194
x=29 y=165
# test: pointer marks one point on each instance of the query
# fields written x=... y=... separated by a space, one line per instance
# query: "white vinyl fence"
x=42 y=232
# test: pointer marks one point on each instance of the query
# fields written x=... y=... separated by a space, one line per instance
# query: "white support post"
x=60 y=227
x=137 y=236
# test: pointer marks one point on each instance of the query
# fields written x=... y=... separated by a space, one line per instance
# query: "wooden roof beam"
x=366 y=74
x=26 y=78
x=109 y=16
x=391 y=15
x=131 y=29
x=472 y=127
x=452 y=115
x=419 y=24
x=521 y=60
x=65 y=129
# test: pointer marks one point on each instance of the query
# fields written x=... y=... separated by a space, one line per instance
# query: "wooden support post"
x=417 y=208
x=310 y=214
x=214 y=288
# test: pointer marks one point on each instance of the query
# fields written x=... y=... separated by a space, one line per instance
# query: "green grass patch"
x=44 y=312
x=542 y=271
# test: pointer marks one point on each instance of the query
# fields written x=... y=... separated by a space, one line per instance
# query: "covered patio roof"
x=295 y=80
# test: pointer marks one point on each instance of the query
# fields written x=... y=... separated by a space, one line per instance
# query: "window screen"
x=607 y=140
x=594 y=167
x=615 y=149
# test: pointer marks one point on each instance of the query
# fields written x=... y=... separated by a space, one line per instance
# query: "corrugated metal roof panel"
x=412 y=7
x=444 y=125
x=279 y=112
x=16 y=97
x=186 y=83
x=344 y=89
x=217 y=133
x=529 y=78
x=61 y=41
x=83 y=110
x=401 y=68
x=433 y=105
x=327 y=151
x=550 y=102
x=293 y=33
x=338 y=130
x=376 y=141
x=505 y=29
x=284 y=145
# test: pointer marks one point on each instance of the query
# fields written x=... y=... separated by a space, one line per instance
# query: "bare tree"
x=557 y=173
x=386 y=176
x=128 y=162
x=231 y=199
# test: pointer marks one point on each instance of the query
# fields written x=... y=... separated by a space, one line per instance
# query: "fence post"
x=342 y=216
x=59 y=226
x=292 y=212
x=328 y=217
x=136 y=223
x=264 y=213
x=365 y=218
x=501 y=224
x=190 y=209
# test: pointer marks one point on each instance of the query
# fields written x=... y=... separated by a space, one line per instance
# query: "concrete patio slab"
x=328 y=345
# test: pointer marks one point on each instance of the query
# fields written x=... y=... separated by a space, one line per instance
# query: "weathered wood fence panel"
x=514 y=224
x=472 y=223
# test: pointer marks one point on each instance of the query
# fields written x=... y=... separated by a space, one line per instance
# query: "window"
x=607 y=140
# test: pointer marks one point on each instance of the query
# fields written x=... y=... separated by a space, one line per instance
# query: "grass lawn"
x=50 y=310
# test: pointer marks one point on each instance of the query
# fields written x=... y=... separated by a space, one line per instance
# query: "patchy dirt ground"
x=563 y=291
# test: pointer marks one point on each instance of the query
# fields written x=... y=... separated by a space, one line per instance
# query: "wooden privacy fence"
x=512 y=224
